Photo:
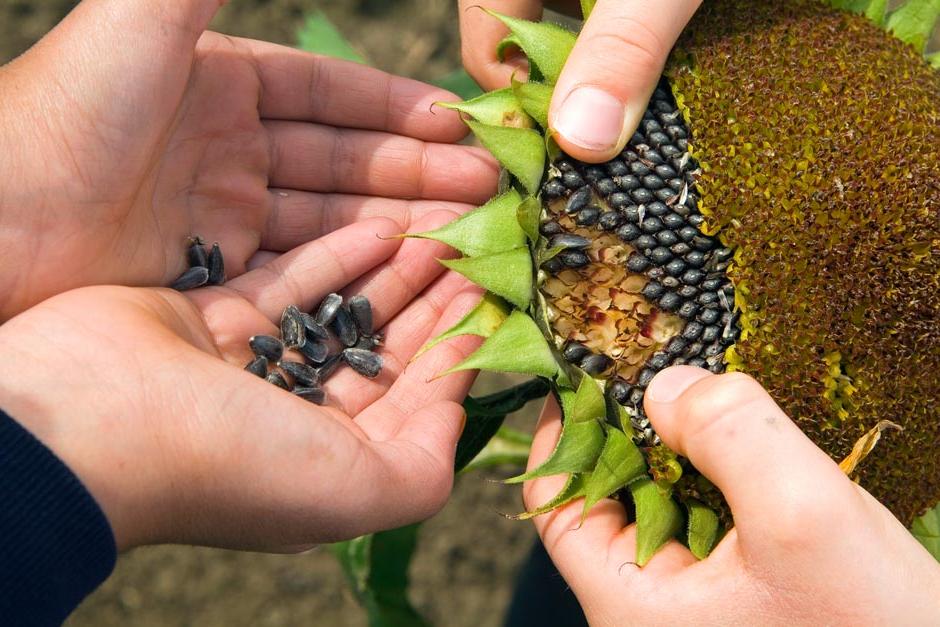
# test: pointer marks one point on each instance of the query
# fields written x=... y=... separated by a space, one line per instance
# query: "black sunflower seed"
x=578 y=200
x=196 y=254
x=619 y=391
x=258 y=367
x=550 y=228
x=314 y=351
x=366 y=363
x=292 y=327
x=314 y=394
x=266 y=346
x=191 y=279
x=368 y=342
x=361 y=310
x=216 y=266
x=314 y=330
x=573 y=258
x=574 y=352
x=301 y=373
x=276 y=378
x=568 y=240
x=596 y=364
x=329 y=366
x=345 y=327
x=328 y=308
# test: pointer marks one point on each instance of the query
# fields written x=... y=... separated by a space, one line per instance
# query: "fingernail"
x=591 y=118
x=669 y=384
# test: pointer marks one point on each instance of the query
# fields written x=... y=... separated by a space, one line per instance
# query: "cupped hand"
x=607 y=82
x=809 y=546
x=128 y=129
x=142 y=393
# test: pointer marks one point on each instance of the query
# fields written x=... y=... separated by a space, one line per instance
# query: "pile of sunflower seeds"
x=204 y=268
x=336 y=333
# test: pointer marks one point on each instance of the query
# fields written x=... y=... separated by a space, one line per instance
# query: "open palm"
x=135 y=130
x=142 y=392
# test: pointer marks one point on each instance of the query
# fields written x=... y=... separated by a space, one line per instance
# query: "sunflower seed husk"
x=196 y=254
x=258 y=366
x=277 y=379
x=361 y=310
x=313 y=394
x=328 y=308
x=266 y=346
x=329 y=366
x=314 y=351
x=345 y=327
x=367 y=342
x=314 y=329
x=191 y=279
x=292 y=327
x=366 y=363
x=216 y=266
x=301 y=373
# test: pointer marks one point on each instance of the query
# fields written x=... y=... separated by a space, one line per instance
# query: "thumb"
x=734 y=433
x=611 y=73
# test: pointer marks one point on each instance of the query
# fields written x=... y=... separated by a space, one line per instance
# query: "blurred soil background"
x=468 y=555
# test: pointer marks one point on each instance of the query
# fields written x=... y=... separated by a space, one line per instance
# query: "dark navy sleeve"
x=56 y=545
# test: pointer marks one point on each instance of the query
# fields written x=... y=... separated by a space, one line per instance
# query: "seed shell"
x=328 y=308
x=315 y=330
x=266 y=346
x=216 y=266
x=329 y=366
x=191 y=279
x=314 y=351
x=292 y=327
x=196 y=254
x=277 y=379
x=345 y=327
x=313 y=394
x=366 y=363
x=361 y=310
x=301 y=373
x=258 y=366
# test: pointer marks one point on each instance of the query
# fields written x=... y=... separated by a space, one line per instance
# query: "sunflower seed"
x=329 y=366
x=277 y=379
x=314 y=329
x=266 y=346
x=313 y=394
x=258 y=366
x=292 y=327
x=216 y=266
x=197 y=254
x=328 y=309
x=345 y=327
x=314 y=351
x=301 y=373
x=367 y=342
x=366 y=363
x=361 y=310
x=191 y=279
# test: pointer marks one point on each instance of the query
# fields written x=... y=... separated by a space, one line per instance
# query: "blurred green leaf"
x=927 y=531
x=913 y=22
x=320 y=36
x=377 y=566
x=460 y=83
x=934 y=59
x=508 y=447
x=485 y=416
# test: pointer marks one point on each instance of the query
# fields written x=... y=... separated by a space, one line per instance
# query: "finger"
x=297 y=85
x=771 y=474
x=297 y=217
x=325 y=159
x=480 y=33
x=611 y=73
x=306 y=274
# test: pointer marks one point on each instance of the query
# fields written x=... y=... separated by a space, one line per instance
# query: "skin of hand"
x=809 y=546
x=142 y=393
x=128 y=129
x=607 y=81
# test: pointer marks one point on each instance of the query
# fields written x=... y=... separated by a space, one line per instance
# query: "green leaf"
x=913 y=22
x=377 y=569
x=657 y=519
x=516 y=346
x=527 y=215
x=573 y=489
x=508 y=447
x=586 y=7
x=619 y=464
x=519 y=150
x=482 y=320
x=535 y=99
x=320 y=36
x=546 y=45
x=492 y=228
x=507 y=274
x=927 y=531
x=485 y=416
x=702 y=528
x=509 y=41
x=460 y=83
x=496 y=108
x=577 y=450
x=934 y=59
x=872 y=9
x=588 y=402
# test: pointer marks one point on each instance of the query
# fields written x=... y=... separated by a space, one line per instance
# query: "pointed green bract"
x=588 y=403
x=527 y=215
x=504 y=44
x=497 y=108
x=574 y=489
x=546 y=45
x=702 y=528
x=927 y=531
x=519 y=150
x=507 y=274
x=577 y=450
x=492 y=228
x=482 y=320
x=619 y=464
x=535 y=99
x=913 y=22
x=657 y=519
x=586 y=7
x=516 y=346
x=876 y=11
